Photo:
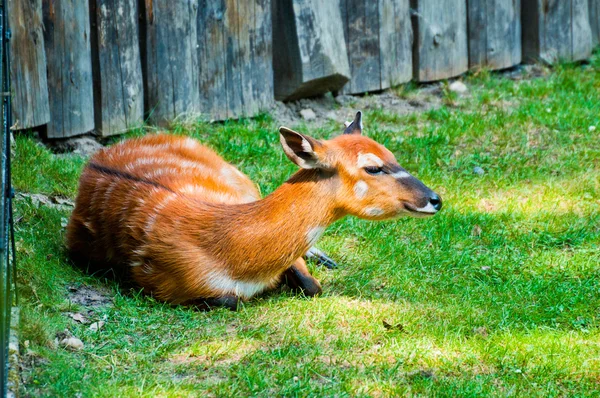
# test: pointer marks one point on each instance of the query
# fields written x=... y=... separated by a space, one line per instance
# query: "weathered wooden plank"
x=440 y=43
x=235 y=58
x=118 y=82
x=594 y=11
x=494 y=33
x=262 y=55
x=212 y=59
x=379 y=42
x=28 y=69
x=556 y=30
x=171 y=59
x=69 y=62
x=310 y=56
x=395 y=42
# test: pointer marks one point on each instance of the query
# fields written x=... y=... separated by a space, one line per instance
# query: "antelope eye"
x=374 y=170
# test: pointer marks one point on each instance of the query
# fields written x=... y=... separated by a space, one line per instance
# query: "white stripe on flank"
x=156 y=211
x=368 y=159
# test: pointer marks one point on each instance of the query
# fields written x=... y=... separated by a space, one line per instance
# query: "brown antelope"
x=190 y=227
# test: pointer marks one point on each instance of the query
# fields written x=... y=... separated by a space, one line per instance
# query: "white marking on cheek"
x=427 y=209
x=373 y=211
x=401 y=174
x=314 y=234
x=368 y=159
x=360 y=189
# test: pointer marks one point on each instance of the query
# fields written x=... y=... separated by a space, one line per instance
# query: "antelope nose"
x=436 y=201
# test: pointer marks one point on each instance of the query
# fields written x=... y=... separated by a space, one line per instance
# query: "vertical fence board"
x=309 y=51
x=262 y=55
x=555 y=30
x=171 y=59
x=395 y=42
x=594 y=11
x=118 y=83
x=28 y=69
x=494 y=32
x=235 y=58
x=379 y=42
x=440 y=43
x=69 y=61
x=212 y=59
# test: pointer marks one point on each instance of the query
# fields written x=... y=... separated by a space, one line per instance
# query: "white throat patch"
x=313 y=235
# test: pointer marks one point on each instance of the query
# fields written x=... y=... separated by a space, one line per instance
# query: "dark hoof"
x=304 y=283
x=326 y=261
x=320 y=258
x=230 y=302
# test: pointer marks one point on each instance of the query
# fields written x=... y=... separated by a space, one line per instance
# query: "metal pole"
x=5 y=280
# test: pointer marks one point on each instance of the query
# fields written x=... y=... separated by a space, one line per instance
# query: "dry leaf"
x=397 y=326
x=78 y=317
x=94 y=327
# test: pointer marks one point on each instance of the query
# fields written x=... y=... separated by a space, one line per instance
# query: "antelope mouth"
x=426 y=211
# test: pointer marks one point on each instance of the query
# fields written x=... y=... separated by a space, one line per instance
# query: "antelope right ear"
x=356 y=126
x=301 y=149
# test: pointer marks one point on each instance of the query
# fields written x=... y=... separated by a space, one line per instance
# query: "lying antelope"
x=190 y=227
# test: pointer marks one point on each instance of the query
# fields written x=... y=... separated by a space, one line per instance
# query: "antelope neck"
x=271 y=233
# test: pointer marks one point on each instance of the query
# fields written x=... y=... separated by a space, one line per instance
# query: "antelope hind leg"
x=297 y=277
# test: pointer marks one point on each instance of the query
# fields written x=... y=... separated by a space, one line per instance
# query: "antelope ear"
x=356 y=126
x=301 y=149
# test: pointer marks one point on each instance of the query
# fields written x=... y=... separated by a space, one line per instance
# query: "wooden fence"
x=109 y=65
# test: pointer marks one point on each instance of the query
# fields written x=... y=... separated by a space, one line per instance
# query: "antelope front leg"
x=320 y=257
x=297 y=277
x=230 y=302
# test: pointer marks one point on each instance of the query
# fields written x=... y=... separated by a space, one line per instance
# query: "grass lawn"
x=498 y=294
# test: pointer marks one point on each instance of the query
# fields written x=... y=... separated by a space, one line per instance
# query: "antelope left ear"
x=303 y=150
x=356 y=126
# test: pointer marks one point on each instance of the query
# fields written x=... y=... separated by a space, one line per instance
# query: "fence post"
x=309 y=52
x=30 y=88
x=440 y=44
x=235 y=58
x=117 y=68
x=494 y=31
x=69 y=60
x=170 y=59
x=379 y=42
x=595 y=20
x=556 y=30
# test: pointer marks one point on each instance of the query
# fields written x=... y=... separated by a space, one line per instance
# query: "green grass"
x=497 y=295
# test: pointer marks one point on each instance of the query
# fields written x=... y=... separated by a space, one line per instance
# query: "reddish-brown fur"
x=188 y=225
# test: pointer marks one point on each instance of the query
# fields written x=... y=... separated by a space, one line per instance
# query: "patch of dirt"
x=85 y=145
x=89 y=296
x=343 y=107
